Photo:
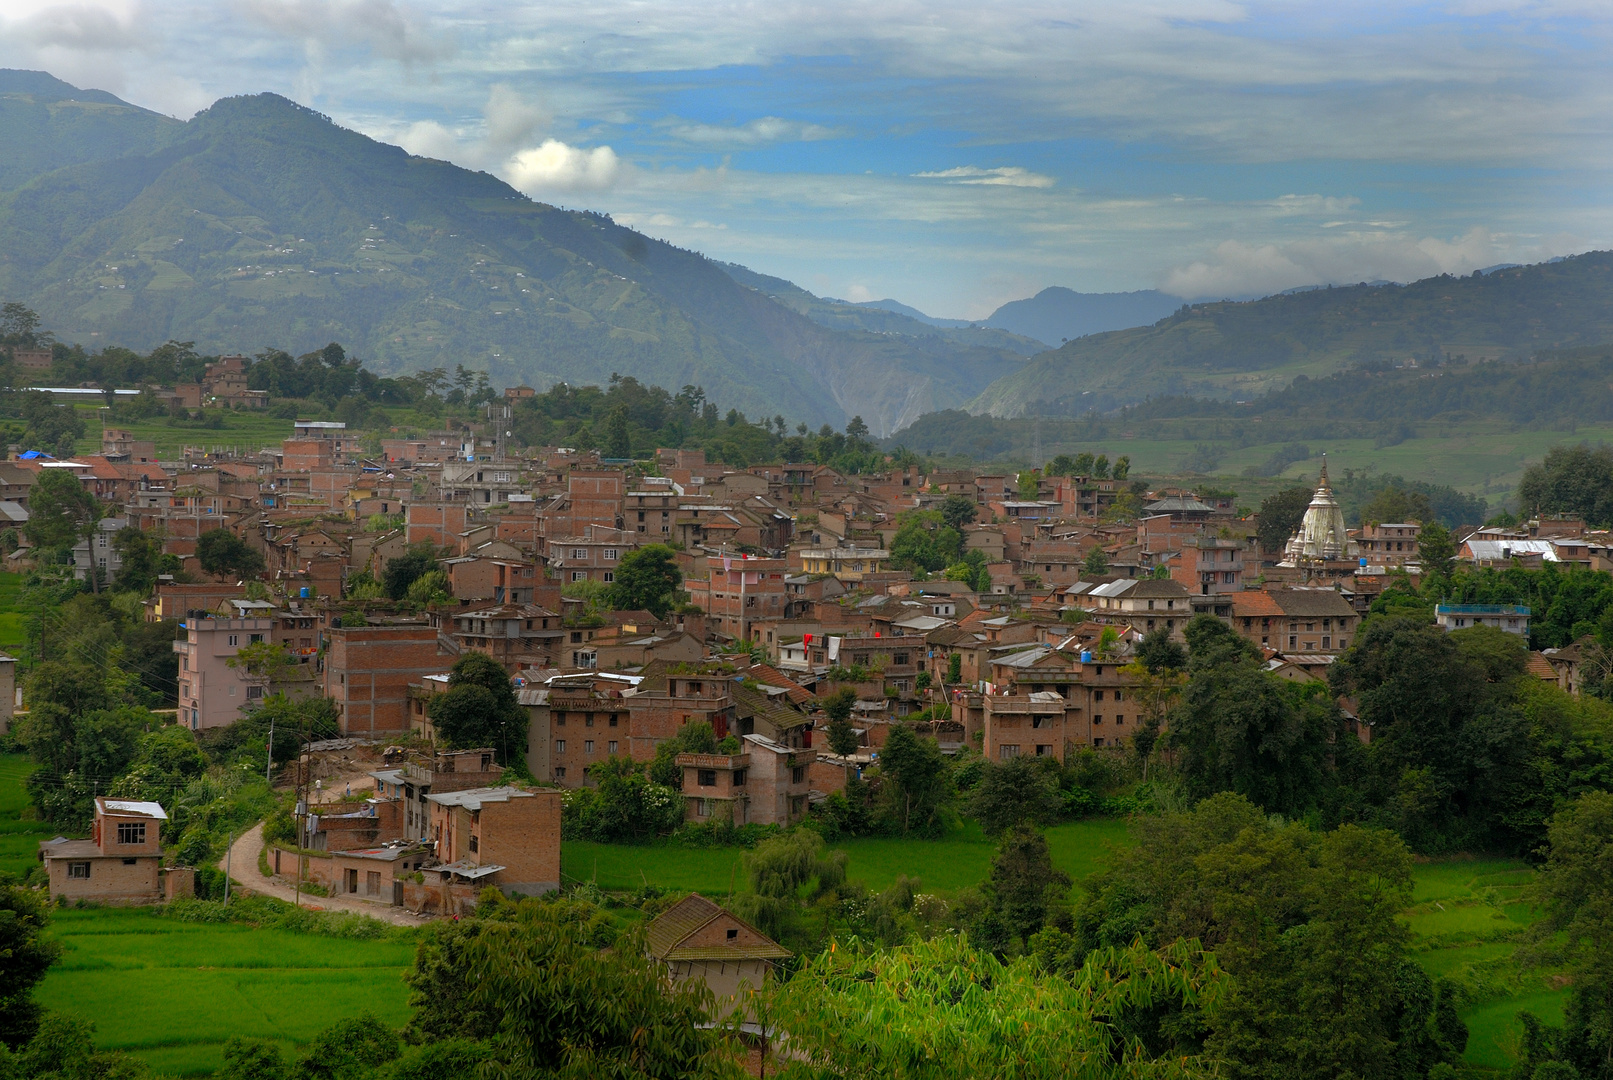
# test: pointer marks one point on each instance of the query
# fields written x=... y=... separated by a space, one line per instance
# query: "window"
x=732 y=934
x=739 y=777
x=184 y=663
x=706 y=777
x=576 y=637
x=255 y=639
x=131 y=832
x=588 y=746
x=610 y=575
x=579 y=575
x=475 y=844
x=131 y=862
x=1118 y=694
x=560 y=719
x=1119 y=719
x=78 y=870
x=611 y=747
x=702 y=807
x=579 y=553
x=588 y=721
x=560 y=746
x=610 y=554
x=1006 y=752
x=1041 y=721
x=1097 y=719
x=1327 y=642
x=235 y=639
x=899 y=658
x=1097 y=695
x=1044 y=750
x=254 y=693
x=798 y=775
x=1293 y=642
x=232 y=691
x=1097 y=742
x=613 y=720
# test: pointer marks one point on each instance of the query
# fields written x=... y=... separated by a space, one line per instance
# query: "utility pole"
x=268 y=762
x=299 y=814
x=229 y=857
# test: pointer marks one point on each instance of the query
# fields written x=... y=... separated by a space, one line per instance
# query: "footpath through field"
x=244 y=869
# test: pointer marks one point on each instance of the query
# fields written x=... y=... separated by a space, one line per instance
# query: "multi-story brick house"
x=211 y=691
x=504 y=836
x=737 y=590
x=766 y=784
x=1296 y=621
x=592 y=555
x=368 y=671
x=121 y=863
x=516 y=635
x=1392 y=544
x=701 y=942
x=448 y=770
x=1143 y=604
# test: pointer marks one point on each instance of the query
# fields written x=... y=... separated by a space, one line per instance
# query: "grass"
x=12 y=636
x=1468 y=915
x=250 y=431
x=19 y=835
x=206 y=981
x=958 y=861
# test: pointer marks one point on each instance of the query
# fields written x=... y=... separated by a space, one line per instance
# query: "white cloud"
x=766 y=129
x=1236 y=268
x=557 y=168
x=1009 y=176
x=323 y=25
x=859 y=294
x=1314 y=204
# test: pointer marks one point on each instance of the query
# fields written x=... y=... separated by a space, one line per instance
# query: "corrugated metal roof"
x=474 y=798
x=134 y=806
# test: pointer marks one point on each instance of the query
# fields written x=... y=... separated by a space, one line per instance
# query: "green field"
x=959 y=861
x=171 y=992
x=1468 y=916
x=19 y=837
x=13 y=638
x=248 y=431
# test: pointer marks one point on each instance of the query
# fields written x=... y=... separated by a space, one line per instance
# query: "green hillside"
x=260 y=224
x=1240 y=350
x=46 y=124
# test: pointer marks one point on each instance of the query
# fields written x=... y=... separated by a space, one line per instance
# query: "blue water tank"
x=1086 y=656
x=303 y=592
x=1363 y=563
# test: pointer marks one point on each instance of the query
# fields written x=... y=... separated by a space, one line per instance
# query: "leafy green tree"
x=1083 y=464
x=837 y=706
x=694 y=737
x=1019 y=791
x=63 y=1048
x=252 y=1059
x=1024 y=885
x=60 y=511
x=1096 y=562
x=1396 y=504
x=786 y=874
x=406 y=569
x=1437 y=548
x=1122 y=467
x=954 y=669
x=623 y=807
x=958 y=511
x=1280 y=517
x=946 y=1010
x=1159 y=652
x=1572 y=480
x=618 y=436
x=347 y=1048
x=479 y=708
x=923 y=541
x=51 y=427
x=916 y=785
x=223 y=554
x=1100 y=467
x=647 y=579
x=565 y=1008
x=25 y=955
x=1575 y=892
x=141 y=556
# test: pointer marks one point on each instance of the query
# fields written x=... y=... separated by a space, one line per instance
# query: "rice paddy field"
x=12 y=636
x=19 y=833
x=170 y=992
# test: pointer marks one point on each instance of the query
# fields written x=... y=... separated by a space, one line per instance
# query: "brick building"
x=121 y=863
x=368 y=670
x=504 y=836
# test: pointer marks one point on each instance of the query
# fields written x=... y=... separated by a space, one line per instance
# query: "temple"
x=1321 y=537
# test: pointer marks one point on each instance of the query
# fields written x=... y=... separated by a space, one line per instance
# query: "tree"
x=60 y=511
x=223 y=554
x=647 y=580
x=1096 y=562
x=694 y=737
x=617 y=435
x=1437 y=548
x=404 y=570
x=1575 y=892
x=856 y=429
x=347 y=1048
x=141 y=556
x=786 y=873
x=479 y=708
x=1019 y=791
x=25 y=956
x=1396 y=504
x=1083 y=464
x=1023 y=883
x=958 y=511
x=252 y=1059
x=1280 y=516
x=1159 y=652
x=1572 y=480
x=954 y=669
x=842 y=736
x=945 y=1009
x=1100 y=467
x=916 y=785
x=1122 y=467
x=51 y=427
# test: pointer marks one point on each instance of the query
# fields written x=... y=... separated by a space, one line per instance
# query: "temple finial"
x=1324 y=469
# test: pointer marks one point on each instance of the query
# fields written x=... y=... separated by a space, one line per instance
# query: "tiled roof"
x=682 y=920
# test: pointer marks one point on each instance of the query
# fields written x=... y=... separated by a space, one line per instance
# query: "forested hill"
x=1240 y=350
x=261 y=224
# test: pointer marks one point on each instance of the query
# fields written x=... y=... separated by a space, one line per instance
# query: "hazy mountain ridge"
x=1241 y=350
x=1057 y=314
x=260 y=223
x=46 y=124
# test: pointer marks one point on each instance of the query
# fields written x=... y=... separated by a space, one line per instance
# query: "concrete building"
x=847 y=564
x=1509 y=617
x=1392 y=544
x=211 y=692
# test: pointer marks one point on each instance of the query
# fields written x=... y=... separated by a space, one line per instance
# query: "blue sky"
x=950 y=155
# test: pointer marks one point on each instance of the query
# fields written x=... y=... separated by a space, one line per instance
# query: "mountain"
x=1057 y=314
x=46 y=124
x=260 y=223
x=913 y=313
x=1240 y=350
x=882 y=317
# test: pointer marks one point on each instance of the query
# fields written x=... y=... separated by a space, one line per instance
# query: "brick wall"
x=368 y=670
x=111 y=881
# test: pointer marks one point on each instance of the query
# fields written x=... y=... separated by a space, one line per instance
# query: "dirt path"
x=243 y=867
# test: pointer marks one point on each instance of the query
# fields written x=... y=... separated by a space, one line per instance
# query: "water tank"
x=303 y=592
x=1086 y=656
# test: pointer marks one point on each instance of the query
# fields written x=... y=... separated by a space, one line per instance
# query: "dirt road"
x=243 y=867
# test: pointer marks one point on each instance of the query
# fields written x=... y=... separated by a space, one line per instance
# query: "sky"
x=953 y=156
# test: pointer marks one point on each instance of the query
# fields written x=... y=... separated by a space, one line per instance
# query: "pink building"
x=211 y=692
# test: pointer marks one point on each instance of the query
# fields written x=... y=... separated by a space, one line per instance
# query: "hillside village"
x=781 y=592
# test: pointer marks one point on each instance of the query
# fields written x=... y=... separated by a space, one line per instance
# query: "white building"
x=1509 y=617
x=1322 y=536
